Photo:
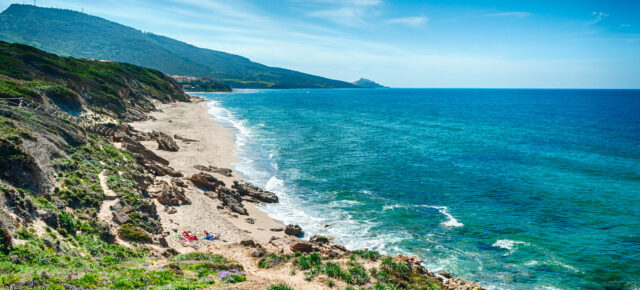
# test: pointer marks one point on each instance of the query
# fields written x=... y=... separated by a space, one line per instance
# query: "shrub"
x=366 y=254
x=133 y=233
x=280 y=286
x=304 y=263
x=5 y=241
x=273 y=260
x=315 y=258
x=332 y=270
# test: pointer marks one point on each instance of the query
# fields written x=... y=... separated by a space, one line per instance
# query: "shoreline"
x=205 y=142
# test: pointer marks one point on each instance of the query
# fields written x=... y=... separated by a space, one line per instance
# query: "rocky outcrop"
x=302 y=247
x=206 y=181
x=165 y=142
x=159 y=169
x=223 y=171
x=247 y=189
x=459 y=284
x=232 y=200
x=322 y=240
x=168 y=195
x=294 y=230
x=141 y=153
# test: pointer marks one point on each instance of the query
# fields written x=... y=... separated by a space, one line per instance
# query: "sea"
x=510 y=188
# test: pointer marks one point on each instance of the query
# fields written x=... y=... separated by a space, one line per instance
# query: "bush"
x=304 y=263
x=280 y=286
x=5 y=241
x=133 y=233
x=332 y=270
x=366 y=254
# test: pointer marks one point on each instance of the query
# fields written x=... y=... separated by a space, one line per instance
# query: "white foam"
x=451 y=221
x=510 y=245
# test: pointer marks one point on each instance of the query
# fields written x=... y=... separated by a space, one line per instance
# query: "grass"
x=280 y=286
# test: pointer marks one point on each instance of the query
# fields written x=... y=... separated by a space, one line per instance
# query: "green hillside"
x=119 y=90
x=72 y=33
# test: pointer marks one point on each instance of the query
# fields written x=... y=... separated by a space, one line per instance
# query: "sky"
x=446 y=43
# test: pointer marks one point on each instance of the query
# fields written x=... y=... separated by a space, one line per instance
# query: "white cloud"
x=597 y=17
x=517 y=14
x=347 y=12
x=414 y=21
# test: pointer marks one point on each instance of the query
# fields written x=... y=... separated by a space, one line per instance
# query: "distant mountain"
x=71 y=33
x=365 y=83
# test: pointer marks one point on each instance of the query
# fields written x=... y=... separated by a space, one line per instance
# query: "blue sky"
x=522 y=44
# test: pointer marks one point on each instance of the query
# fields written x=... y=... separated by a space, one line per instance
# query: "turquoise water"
x=511 y=188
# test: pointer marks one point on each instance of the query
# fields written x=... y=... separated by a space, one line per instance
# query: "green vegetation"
x=66 y=32
x=106 y=87
x=280 y=287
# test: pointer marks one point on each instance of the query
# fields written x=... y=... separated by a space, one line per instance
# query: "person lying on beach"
x=189 y=236
x=211 y=237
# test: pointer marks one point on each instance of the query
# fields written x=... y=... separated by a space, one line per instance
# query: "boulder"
x=160 y=169
x=232 y=200
x=178 y=182
x=141 y=153
x=120 y=217
x=207 y=181
x=414 y=263
x=247 y=189
x=169 y=195
x=294 y=230
x=302 y=247
x=165 y=142
x=223 y=171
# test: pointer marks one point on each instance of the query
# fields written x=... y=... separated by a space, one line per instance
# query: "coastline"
x=214 y=145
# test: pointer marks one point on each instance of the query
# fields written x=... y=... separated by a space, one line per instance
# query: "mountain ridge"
x=72 y=33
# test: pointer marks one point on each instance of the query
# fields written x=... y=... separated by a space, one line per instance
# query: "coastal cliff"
x=105 y=165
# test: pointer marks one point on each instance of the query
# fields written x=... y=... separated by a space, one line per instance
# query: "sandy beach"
x=213 y=146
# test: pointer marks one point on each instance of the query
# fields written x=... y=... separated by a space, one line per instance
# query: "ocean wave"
x=509 y=245
x=451 y=221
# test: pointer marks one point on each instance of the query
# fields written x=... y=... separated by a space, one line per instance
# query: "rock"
x=178 y=182
x=277 y=229
x=141 y=153
x=186 y=140
x=160 y=169
x=459 y=284
x=232 y=200
x=245 y=188
x=120 y=217
x=165 y=142
x=294 y=230
x=319 y=239
x=302 y=247
x=250 y=220
x=143 y=180
x=163 y=242
x=223 y=171
x=170 y=210
x=134 y=115
x=445 y=274
x=248 y=243
x=168 y=195
x=207 y=181
x=49 y=218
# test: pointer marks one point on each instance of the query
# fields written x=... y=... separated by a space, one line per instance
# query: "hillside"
x=366 y=83
x=72 y=33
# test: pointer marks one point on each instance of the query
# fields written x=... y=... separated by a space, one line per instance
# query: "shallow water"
x=510 y=188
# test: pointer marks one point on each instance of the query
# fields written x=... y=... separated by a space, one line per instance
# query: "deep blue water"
x=511 y=188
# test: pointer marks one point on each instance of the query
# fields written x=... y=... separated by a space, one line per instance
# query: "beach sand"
x=214 y=146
